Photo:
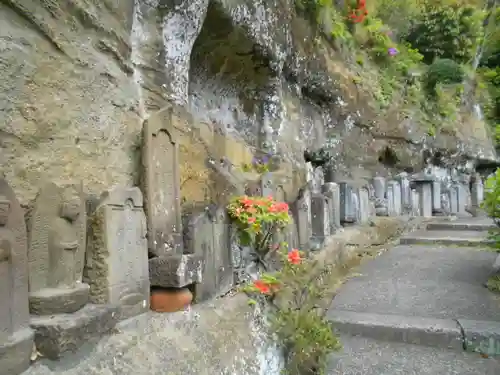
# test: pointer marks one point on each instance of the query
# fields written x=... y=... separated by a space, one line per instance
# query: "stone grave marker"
x=318 y=180
x=453 y=197
x=56 y=251
x=332 y=192
x=437 y=208
x=207 y=235
x=404 y=184
x=267 y=189
x=348 y=213
x=320 y=220
x=381 y=201
x=364 y=199
x=356 y=204
x=423 y=184
x=303 y=218
x=161 y=186
x=16 y=336
x=477 y=191
x=117 y=257
x=390 y=200
x=396 y=194
x=62 y=317
x=415 y=203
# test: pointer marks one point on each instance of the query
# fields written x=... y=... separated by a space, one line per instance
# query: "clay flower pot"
x=163 y=300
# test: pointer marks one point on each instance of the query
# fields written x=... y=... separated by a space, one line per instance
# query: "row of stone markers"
x=73 y=266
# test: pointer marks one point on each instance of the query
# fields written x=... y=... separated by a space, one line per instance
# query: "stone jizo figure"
x=56 y=251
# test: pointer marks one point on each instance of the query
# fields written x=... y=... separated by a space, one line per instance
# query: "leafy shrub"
x=448 y=32
x=491 y=205
x=444 y=71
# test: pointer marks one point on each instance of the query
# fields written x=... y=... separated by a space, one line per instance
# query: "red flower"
x=294 y=256
x=251 y=220
x=262 y=286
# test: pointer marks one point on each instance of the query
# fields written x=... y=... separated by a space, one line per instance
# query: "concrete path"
x=426 y=293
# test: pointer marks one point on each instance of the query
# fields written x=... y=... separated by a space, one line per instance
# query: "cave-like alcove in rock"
x=227 y=78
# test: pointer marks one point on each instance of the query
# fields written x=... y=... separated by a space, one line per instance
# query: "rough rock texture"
x=79 y=77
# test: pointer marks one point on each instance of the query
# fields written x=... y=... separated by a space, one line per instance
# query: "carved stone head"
x=70 y=207
x=4 y=210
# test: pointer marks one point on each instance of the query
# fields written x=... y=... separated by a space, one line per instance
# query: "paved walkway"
x=429 y=292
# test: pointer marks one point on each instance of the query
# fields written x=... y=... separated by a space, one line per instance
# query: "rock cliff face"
x=79 y=77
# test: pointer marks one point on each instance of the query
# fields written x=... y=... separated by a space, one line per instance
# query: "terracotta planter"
x=170 y=300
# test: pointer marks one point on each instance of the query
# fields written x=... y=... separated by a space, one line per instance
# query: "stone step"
x=451 y=334
x=463 y=225
x=447 y=237
x=361 y=355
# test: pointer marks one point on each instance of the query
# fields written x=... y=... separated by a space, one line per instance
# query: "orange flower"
x=262 y=286
x=294 y=256
x=251 y=220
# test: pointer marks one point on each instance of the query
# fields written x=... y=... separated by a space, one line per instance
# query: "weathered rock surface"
x=78 y=79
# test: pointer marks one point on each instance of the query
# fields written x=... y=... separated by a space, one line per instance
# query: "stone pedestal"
x=380 y=198
x=61 y=333
x=15 y=352
x=175 y=271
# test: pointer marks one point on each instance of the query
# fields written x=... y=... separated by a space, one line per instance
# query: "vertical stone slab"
x=207 y=235
x=391 y=210
x=437 y=208
x=332 y=192
x=356 y=205
x=348 y=214
x=477 y=191
x=364 y=199
x=415 y=203
x=425 y=197
x=453 y=197
x=380 y=198
x=404 y=184
x=16 y=337
x=309 y=172
x=303 y=218
x=320 y=220
x=161 y=184
x=57 y=224
x=396 y=196
x=318 y=180
x=117 y=257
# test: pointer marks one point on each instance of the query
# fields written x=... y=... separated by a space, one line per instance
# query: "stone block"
x=58 y=334
x=380 y=196
x=415 y=203
x=424 y=188
x=364 y=200
x=161 y=185
x=176 y=270
x=117 y=256
x=303 y=218
x=404 y=184
x=16 y=338
x=332 y=192
x=207 y=234
x=437 y=208
x=15 y=352
x=320 y=220
x=394 y=191
x=481 y=336
x=348 y=213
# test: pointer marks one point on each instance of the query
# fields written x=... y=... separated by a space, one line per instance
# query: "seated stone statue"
x=56 y=252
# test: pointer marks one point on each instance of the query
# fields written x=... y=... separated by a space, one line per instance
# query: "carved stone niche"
x=62 y=318
x=16 y=337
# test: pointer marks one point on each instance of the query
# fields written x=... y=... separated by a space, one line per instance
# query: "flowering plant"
x=259 y=164
x=297 y=318
x=257 y=219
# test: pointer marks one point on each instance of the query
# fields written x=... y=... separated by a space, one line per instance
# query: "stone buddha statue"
x=56 y=226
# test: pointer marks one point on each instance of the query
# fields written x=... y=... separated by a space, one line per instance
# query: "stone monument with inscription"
x=58 y=298
x=161 y=185
x=16 y=336
x=117 y=256
x=303 y=218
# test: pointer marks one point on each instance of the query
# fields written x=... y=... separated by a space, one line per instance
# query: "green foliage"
x=257 y=219
x=296 y=294
x=491 y=205
x=324 y=17
x=443 y=71
x=447 y=31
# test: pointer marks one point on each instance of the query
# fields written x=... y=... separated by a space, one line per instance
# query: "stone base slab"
x=16 y=352
x=462 y=226
x=59 y=301
x=443 y=333
x=175 y=271
x=61 y=333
